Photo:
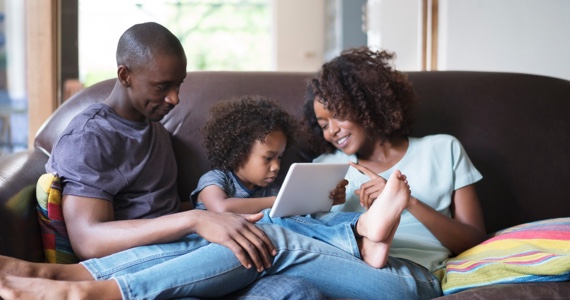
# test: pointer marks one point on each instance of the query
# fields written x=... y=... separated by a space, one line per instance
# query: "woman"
x=359 y=109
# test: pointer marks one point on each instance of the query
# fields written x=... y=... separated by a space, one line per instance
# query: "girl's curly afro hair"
x=362 y=87
x=235 y=125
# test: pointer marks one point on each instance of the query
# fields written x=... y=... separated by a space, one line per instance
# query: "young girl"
x=245 y=140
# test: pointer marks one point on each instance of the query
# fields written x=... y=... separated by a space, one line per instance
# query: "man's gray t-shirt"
x=131 y=164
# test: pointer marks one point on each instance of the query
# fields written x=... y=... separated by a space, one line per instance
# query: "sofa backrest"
x=515 y=128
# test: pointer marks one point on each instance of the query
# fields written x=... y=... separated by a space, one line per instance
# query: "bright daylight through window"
x=216 y=34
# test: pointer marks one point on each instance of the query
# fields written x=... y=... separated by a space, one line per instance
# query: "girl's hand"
x=369 y=191
x=338 y=195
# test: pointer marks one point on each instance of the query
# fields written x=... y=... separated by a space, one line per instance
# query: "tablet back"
x=306 y=188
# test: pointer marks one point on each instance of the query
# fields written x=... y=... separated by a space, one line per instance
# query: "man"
x=119 y=170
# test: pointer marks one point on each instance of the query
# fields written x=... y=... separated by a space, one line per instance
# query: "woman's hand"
x=369 y=191
x=338 y=195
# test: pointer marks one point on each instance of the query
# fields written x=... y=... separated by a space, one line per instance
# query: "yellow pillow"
x=531 y=252
x=56 y=244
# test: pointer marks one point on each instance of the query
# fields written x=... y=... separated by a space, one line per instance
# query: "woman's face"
x=346 y=136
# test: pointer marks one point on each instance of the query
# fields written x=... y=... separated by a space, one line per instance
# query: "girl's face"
x=264 y=161
x=346 y=136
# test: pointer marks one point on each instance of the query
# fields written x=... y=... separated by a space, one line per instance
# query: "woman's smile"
x=342 y=142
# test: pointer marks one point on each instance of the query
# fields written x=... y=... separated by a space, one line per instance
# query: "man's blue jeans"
x=196 y=267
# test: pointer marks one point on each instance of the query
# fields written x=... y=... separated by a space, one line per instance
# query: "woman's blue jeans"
x=196 y=267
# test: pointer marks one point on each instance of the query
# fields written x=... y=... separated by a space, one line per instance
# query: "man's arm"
x=94 y=232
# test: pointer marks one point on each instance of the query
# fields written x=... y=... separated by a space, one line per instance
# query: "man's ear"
x=124 y=75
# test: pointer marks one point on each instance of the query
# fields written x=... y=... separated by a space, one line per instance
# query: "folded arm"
x=466 y=227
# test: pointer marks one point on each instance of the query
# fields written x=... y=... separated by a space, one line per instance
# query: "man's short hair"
x=140 y=42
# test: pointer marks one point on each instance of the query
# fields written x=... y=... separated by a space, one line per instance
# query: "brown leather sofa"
x=515 y=128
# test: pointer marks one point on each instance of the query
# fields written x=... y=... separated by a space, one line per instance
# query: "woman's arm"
x=215 y=199
x=463 y=230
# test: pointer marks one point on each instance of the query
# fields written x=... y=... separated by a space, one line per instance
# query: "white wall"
x=298 y=34
x=395 y=26
x=527 y=36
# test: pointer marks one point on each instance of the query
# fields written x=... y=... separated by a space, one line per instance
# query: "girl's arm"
x=463 y=230
x=215 y=199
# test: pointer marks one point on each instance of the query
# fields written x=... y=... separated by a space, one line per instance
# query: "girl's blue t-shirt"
x=231 y=185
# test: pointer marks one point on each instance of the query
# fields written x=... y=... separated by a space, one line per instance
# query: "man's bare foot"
x=13 y=287
x=22 y=268
x=17 y=267
x=378 y=222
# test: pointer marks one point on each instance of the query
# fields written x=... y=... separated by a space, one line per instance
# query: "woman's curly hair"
x=234 y=126
x=362 y=87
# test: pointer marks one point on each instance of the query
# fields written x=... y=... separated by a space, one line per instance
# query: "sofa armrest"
x=19 y=229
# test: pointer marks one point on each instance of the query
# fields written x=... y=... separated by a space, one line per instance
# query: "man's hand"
x=369 y=191
x=338 y=195
x=239 y=233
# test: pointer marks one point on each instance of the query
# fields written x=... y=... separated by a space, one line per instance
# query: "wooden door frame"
x=430 y=29
x=42 y=62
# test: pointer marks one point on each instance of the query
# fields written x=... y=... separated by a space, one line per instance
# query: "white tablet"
x=306 y=189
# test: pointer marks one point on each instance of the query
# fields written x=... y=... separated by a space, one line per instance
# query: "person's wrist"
x=270 y=201
x=194 y=219
x=412 y=203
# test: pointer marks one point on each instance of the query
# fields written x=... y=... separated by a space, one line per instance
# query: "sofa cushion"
x=532 y=252
x=519 y=291
x=56 y=244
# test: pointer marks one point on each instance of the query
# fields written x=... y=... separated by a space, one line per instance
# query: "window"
x=216 y=34
x=13 y=101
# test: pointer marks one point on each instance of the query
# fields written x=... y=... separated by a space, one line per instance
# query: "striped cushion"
x=531 y=252
x=56 y=244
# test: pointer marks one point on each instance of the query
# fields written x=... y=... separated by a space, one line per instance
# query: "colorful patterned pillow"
x=532 y=252
x=57 y=247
